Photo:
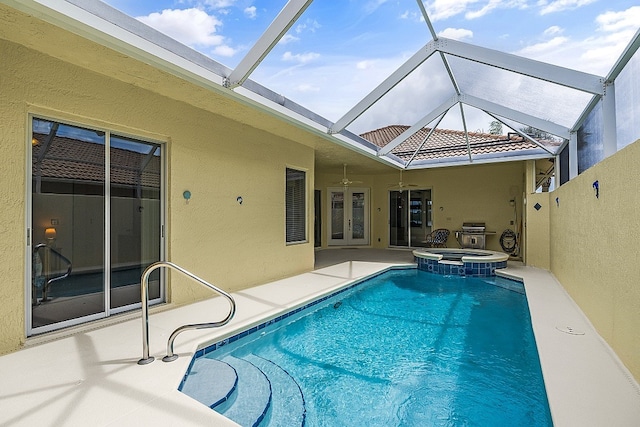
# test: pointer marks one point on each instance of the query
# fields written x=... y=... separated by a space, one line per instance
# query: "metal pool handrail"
x=45 y=287
x=144 y=296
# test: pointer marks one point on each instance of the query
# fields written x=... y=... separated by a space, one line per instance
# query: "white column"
x=610 y=140
x=573 y=155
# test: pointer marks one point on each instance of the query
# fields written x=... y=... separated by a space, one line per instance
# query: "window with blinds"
x=296 y=203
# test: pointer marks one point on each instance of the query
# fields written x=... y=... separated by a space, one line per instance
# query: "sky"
x=340 y=50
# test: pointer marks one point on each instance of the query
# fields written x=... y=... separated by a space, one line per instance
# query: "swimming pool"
x=404 y=348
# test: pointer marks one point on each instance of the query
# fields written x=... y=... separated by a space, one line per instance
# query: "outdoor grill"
x=473 y=235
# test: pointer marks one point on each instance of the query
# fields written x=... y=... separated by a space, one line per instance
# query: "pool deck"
x=89 y=376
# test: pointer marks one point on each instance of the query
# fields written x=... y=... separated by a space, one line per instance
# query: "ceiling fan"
x=401 y=185
x=345 y=182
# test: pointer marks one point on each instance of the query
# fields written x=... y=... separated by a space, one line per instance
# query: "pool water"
x=410 y=348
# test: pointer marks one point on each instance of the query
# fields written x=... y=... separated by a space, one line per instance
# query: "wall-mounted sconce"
x=596 y=187
x=50 y=234
x=239 y=200
x=186 y=194
x=558 y=201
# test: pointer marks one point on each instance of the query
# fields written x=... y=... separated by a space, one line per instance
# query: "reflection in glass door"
x=95 y=223
x=409 y=217
x=68 y=206
x=135 y=218
x=349 y=216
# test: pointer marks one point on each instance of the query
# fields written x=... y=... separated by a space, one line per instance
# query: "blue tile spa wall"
x=474 y=269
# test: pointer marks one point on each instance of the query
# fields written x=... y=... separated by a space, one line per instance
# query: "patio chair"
x=437 y=238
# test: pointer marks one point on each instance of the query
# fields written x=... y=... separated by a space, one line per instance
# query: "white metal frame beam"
x=424 y=141
x=573 y=155
x=540 y=70
x=466 y=132
x=389 y=83
x=518 y=116
x=272 y=35
x=609 y=134
x=524 y=135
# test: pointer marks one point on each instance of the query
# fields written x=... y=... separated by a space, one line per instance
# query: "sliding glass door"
x=409 y=217
x=96 y=216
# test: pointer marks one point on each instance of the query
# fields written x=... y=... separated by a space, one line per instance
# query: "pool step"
x=210 y=381
x=250 y=402
x=241 y=390
x=287 y=403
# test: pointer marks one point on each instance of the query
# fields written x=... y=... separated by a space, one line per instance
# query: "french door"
x=96 y=220
x=409 y=217
x=348 y=216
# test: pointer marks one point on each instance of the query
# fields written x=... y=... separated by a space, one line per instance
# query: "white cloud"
x=306 y=87
x=617 y=21
x=224 y=50
x=288 y=38
x=560 y=5
x=218 y=4
x=250 y=12
x=492 y=4
x=412 y=16
x=365 y=64
x=539 y=49
x=442 y=9
x=456 y=33
x=308 y=25
x=193 y=27
x=595 y=54
x=553 y=30
x=301 y=58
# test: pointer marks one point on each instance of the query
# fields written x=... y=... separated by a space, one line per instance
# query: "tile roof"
x=445 y=143
x=69 y=159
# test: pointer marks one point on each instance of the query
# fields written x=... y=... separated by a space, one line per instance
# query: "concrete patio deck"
x=88 y=375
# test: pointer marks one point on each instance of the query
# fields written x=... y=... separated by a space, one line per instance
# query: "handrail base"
x=146 y=361
x=168 y=358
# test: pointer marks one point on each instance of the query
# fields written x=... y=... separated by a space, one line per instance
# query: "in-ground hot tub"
x=460 y=262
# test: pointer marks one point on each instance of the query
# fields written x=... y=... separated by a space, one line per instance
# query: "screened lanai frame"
x=596 y=94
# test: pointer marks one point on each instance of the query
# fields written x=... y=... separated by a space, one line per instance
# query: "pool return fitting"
x=144 y=297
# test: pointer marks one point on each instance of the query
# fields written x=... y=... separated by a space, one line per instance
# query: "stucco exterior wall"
x=470 y=193
x=215 y=157
x=595 y=251
x=537 y=230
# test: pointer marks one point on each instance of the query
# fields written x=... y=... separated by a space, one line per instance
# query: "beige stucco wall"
x=536 y=221
x=595 y=251
x=469 y=193
x=537 y=230
x=217 y=158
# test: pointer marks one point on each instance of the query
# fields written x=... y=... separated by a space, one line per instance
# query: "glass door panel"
x=67 y=223
x=349 y=224
x=398 y=229
x=135 y=218
x=357 y=216
x=419 y=216
x=409 y=217
x=336 y=213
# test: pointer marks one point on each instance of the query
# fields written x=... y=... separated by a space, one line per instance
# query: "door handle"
x=349 y=225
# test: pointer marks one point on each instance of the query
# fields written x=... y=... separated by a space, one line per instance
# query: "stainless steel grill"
x=473 y=235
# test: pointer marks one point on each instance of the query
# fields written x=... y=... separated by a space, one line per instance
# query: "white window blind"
x=296 y=206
